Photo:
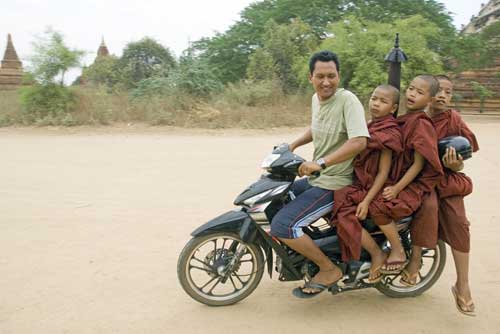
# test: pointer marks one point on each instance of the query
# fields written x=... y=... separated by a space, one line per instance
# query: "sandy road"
x=92 y=222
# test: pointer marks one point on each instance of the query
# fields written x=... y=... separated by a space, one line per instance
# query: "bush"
x=252 y=94
x=47 y=104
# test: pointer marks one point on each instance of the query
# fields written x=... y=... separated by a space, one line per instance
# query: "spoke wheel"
x=206 y=272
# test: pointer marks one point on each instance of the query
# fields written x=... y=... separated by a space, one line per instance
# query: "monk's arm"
x=384 y=167
x=348 y=150
x=393 y=191
x=306 y=138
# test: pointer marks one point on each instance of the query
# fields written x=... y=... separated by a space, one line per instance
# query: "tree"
x=144 y=59
x=482 y=92
x=104 y=71
x=229 y=53
x=52 y=58
x=362 y=46
x=284 y=47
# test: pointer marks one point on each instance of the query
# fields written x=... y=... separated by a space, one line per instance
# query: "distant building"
x=489 y=13
x=103 y=50
x=11 y=69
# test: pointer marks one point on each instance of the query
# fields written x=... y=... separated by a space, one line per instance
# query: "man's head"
x=421 y=92
x=324 y=70
x=444 y=95
x=384 y=101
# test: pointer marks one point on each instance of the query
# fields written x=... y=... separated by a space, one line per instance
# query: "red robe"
x=384 y=134
x=418 y=135
x=453 y=223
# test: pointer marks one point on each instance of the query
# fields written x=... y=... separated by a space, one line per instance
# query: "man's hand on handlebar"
x=308 y=168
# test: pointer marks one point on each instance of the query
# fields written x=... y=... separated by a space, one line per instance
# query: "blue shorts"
x=310 y=204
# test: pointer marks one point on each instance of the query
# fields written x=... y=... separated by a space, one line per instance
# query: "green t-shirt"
x=334 y=121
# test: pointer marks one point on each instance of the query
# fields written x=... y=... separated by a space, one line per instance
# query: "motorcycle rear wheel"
x=433 y=261
x=202 y=256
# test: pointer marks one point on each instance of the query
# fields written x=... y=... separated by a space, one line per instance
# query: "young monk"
x=421 y=170
x=372 y=170
x=453 y=223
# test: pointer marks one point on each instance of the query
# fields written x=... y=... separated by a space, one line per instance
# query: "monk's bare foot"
x=324 y=277
x=395 y=262
x=464 y=299
x=409 y=275
x=376 y=263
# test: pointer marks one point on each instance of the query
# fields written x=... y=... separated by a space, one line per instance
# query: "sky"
x=172 y=23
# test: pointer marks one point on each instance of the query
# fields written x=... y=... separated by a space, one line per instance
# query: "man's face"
x=325 y=79
x=418 y=95
x=444 y=95
x=381 y=103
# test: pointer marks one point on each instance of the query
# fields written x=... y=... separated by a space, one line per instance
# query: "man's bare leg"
x=462 y=283
x=328 y=272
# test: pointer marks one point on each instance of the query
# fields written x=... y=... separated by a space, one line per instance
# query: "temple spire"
x=11 y=69
x=103 y=49
x=10 y=58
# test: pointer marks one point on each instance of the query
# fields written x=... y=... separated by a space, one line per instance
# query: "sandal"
x=407 y=279
x=300 y=293
x=460 y=302
x=399 y=266
x=377 y=278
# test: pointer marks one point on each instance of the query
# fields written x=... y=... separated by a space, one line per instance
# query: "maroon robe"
x=384 y=134
x=418 y=135
x=453 y=223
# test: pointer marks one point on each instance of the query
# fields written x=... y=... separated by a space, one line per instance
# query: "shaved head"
x=393 y=91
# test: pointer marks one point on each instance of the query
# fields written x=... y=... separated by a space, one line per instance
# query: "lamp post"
x=395 y=57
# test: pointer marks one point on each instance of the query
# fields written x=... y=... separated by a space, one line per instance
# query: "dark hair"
x=393 y=90
x=323 y=56
x=443 y=77
x=432 y=81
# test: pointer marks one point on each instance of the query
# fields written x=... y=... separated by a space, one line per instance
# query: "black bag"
x=461 y=144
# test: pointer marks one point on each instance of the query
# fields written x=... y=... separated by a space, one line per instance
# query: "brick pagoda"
x=11 y=70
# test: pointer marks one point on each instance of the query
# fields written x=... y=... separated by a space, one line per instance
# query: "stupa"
x=11 y=69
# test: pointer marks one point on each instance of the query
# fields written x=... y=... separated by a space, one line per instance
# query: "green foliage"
x=53 y=58
x=252 y=94
x=229 y=53
x=48 y=104
x=104 y=71
x=283 y=48
x=145 y=59
x=482 y=92
x=362 y=45
x=192 y=77
x=472 y=51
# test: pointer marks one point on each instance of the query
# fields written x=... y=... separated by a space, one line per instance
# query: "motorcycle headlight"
x=268 y=161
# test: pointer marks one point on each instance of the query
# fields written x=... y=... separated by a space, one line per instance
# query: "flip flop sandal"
x=299 y=292
x=407 y=279
x=400 y=266
x=377 y=279
x=458 y=300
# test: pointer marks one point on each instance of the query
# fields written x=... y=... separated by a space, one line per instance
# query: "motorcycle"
x=225 y=260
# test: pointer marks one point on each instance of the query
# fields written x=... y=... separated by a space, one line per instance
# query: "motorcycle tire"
x=422 y=286
x=197 y=294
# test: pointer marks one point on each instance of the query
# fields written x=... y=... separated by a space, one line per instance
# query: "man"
x=338 y=132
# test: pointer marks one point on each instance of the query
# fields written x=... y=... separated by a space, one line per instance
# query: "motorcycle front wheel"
x=209 y=275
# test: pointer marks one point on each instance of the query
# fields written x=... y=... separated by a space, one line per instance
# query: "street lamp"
x=395 y=58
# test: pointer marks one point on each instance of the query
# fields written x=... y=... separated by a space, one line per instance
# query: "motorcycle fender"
x=235 y=221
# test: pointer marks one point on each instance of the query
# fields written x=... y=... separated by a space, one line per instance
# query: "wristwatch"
x=321 y=162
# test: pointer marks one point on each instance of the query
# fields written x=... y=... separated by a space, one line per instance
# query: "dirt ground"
x=92 y=221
